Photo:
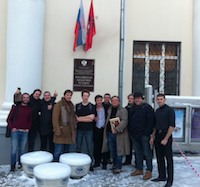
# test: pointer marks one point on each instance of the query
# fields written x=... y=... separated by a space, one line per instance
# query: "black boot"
x=104 y=167
x=159 y=179
x=12 y=168
x=169 y=184
x=128 y=160
x=91 y=168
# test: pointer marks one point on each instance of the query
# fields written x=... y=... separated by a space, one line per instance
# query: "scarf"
x=65 y=111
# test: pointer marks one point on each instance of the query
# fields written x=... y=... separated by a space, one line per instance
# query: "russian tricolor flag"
x=80 y=32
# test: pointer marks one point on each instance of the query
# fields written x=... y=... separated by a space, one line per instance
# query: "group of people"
x=28 y=116
x=136 y=127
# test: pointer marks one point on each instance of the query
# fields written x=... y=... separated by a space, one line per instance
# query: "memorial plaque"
x=83 y=74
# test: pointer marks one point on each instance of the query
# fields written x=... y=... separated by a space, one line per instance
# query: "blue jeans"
x=59 y=149
x=89 y=141
x=112 y=142
x=18 y=141
x=142 y=149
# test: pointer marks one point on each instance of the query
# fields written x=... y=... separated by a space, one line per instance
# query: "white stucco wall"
x=166 y=20
x=58 y=60
x=3 y=26
x=146 y=20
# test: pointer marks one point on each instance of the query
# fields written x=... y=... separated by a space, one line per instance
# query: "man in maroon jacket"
x=19 y=121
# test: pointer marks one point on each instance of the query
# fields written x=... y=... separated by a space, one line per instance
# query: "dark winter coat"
x=45 y=118
x=141 y=120
x=35 y=105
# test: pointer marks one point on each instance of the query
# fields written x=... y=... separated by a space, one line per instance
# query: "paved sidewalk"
x=184 y=176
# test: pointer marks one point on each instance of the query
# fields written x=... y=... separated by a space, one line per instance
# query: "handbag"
x=8 y=130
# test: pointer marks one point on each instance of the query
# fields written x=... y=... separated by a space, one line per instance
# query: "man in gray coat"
x=116 y=138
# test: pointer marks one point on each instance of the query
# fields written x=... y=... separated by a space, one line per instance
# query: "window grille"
x=157 y=64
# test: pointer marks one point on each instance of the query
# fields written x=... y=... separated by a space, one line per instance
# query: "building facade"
x=160 y=47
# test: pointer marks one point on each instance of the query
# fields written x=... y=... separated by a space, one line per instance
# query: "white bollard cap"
x=36 y=157
x=75 y=159
x=52 y=171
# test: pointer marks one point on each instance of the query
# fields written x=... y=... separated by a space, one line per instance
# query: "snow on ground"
x=184 y=176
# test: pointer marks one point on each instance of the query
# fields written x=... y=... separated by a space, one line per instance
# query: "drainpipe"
x=196 y=44
x=122 y=63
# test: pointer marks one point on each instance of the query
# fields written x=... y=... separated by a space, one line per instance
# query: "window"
x=157 y=64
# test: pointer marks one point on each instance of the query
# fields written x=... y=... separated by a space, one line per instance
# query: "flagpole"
x=96 y=9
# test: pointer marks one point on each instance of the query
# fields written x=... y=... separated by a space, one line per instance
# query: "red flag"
x=91 y=31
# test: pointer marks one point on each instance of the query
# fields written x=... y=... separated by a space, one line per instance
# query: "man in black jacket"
x=45 y=122
x=35 y=105
x=106 y=103
x=141 y=123
x=165 y=124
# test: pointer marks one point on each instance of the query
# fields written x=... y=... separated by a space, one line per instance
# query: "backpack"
x=8 y=130
x=80 y=106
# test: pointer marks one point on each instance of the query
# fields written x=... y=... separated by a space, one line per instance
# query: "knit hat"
x=138 y=94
